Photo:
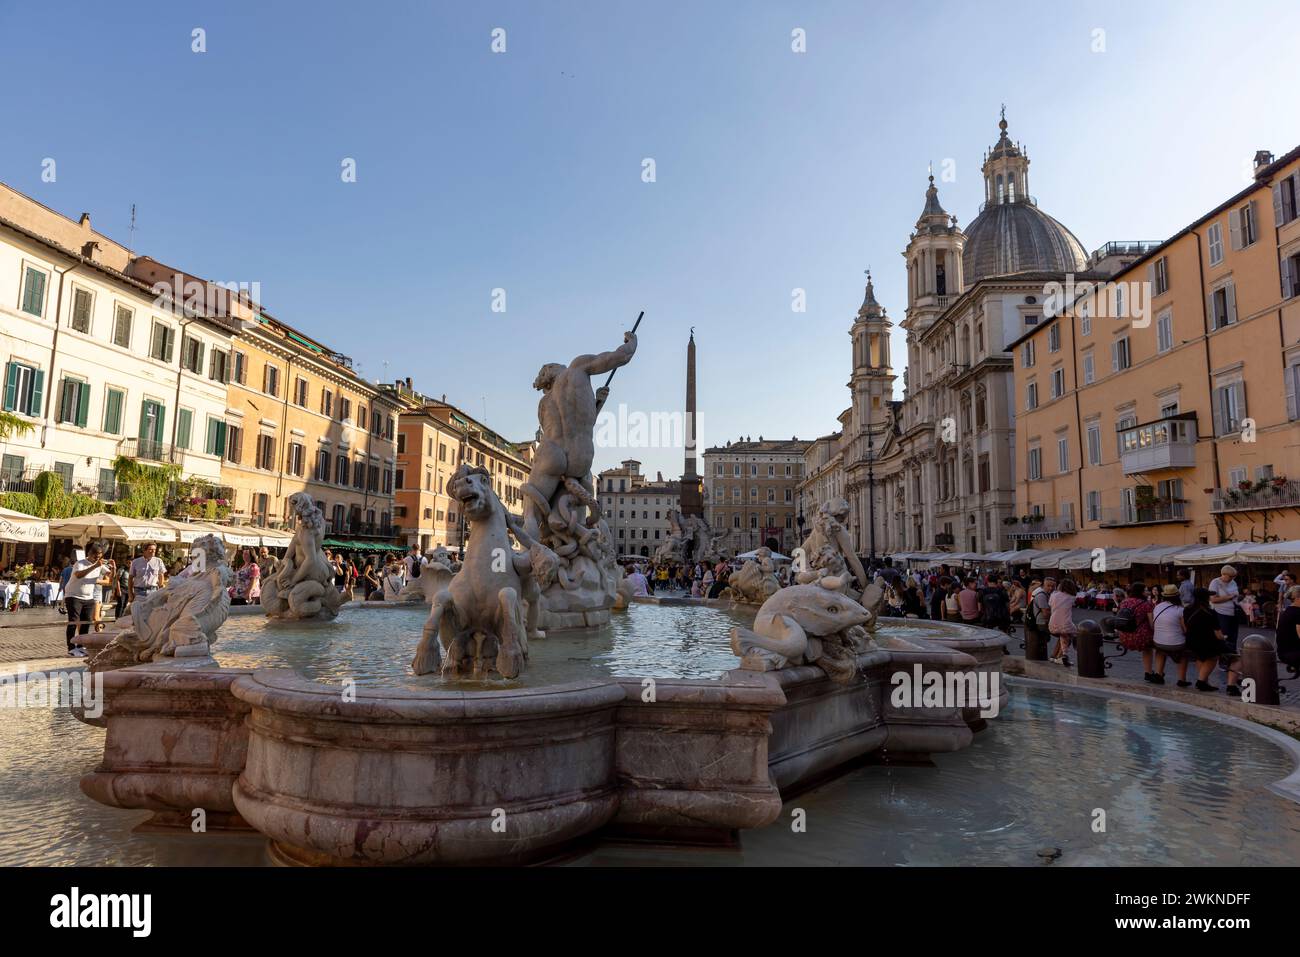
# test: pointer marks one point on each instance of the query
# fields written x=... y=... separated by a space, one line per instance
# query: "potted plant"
x=21 y=574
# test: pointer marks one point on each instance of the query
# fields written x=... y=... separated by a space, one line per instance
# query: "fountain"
x=499 y=749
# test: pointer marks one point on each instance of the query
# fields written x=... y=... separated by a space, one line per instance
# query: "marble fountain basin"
x=318 y=737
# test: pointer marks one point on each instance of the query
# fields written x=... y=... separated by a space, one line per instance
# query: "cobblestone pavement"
x=1128 y=667
x=32 y=633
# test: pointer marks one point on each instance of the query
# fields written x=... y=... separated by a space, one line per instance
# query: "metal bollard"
x=1088 y=647
x=1259 y=664
x=1035 y=643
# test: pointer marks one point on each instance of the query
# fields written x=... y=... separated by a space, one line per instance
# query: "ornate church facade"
x=936 y=470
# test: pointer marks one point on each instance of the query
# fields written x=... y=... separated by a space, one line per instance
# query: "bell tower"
x=934 y=269
x=872 y=383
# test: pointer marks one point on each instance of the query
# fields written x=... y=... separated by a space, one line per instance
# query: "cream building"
x=937 y=470
x=636 y=509
x=96 y=360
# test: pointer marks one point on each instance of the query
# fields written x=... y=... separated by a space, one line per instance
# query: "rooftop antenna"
x=131 y=240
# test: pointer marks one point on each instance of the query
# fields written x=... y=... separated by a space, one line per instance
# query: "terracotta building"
x=434 y=437
x=750 y=488
x=1162 y=408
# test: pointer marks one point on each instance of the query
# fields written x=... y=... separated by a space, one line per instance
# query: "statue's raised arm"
x=607 y=361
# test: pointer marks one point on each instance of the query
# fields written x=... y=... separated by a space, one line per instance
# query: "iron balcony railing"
x=1283 y=494
x=1039 y=526
x=1149 y=514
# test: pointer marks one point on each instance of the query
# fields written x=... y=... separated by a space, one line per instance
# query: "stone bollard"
x=1259 y=665
x=1088 y=647
x=1035 y=643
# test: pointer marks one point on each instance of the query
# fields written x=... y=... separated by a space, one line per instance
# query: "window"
x=1063 y=454
x=1164 y=331
x=271 y=380
x=1229 y=407
x=1089 y=368
x=1085 y=319
x=399 y=478
x=122 y=317
x=1242 y=226
x=219 y=366
x=162 y=342
x=185 y=429
x=24 y=389
x=1214 y=243
x=388 y=483
x=341 y=470
x=1160 y=276
x=33 y=298
x=1094 y=506
x=1285 y=195
x=1031 y=395
x=1058 y=383
x=345 y=409
x=192 y=355
x=240 y=368
x=1223 y=306
x=74 y=402
x=1035 y=463
x=1120 y=356
x=326 y=402
x=300 y=392
x=114 y=400
x=1094 y=443
x=1293 y=388
x=1291 y=275
x=215 y=442
x=1054 y=337
x=362 y=420
x=234 y=443
x=265 y=452
x=401 y=447
x=297 y=462
x=83 y=301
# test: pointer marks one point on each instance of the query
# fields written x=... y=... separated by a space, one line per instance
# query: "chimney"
x=1263 y=158
x=85 y=221
x=90 y=251
x=408 y=383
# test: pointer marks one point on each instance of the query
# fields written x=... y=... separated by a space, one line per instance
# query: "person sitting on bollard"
x=1169 y=636
x=1288 y=630
x=1205 y=642
x=1060 y=623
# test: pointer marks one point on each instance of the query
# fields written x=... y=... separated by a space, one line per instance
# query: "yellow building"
x=433 y=438
x=300 y=419
x=1160 y=407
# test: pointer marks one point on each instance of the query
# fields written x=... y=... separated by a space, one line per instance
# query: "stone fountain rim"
x=1287 y=787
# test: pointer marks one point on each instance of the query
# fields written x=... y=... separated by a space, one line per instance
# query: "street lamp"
x=871 y=493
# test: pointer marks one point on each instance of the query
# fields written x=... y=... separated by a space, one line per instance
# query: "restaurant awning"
x=1209 y=554
x=1279 y=553
x=21 y=527
x=1048 y=559
x=85 y=528
x=1155 y=554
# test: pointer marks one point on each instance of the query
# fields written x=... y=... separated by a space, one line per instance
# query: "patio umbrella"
x=234 y=534
x=21 y=527
x=776 y=556
x=98 y=525
x=1075 y=559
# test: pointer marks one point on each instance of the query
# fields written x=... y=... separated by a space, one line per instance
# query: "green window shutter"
x=113 y=412
x=212 y=436
x=83 y=404
x=34 y=291
x=184 y=427
x=158 y=427
x=11 y=386
x=38 y=393
x=198 y=360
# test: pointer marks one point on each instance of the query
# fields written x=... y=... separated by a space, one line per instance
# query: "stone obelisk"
x=692 y=497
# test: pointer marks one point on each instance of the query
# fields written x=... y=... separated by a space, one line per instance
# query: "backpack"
x=1125 y=620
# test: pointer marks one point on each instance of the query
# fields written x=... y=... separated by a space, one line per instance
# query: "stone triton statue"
x=828 y=554
x=560 y=508
x=179 y=620
x=302 y=585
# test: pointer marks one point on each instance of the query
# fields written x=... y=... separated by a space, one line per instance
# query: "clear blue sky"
x=522 y=170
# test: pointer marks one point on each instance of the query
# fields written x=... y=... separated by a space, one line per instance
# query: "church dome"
x=1014 y=237
x=1011 y=234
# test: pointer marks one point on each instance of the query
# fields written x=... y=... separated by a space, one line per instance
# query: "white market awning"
x=21 y=527
x=1048 y=559
x=1209 y=554
x=85 y=528
x=1280 y=553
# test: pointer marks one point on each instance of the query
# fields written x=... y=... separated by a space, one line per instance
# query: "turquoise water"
x=1177 y=789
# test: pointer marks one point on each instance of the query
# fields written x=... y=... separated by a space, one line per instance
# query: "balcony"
x=1276 y=493
x=1029 y=527
x=1156 y=446
x=1154 y=513
x=147 y=450
x=943 y=539
x=19 y=480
